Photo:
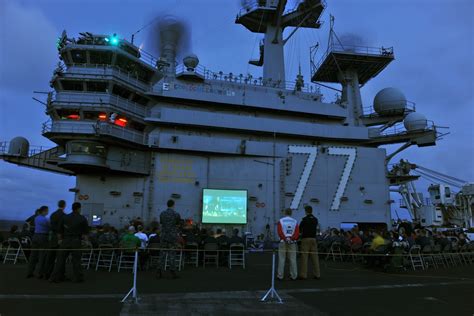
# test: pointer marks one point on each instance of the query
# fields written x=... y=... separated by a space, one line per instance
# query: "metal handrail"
x=370 y=110
x=91 y=97
x=118 y=72
x=89 y=127
x=248 y=80
x=144 y=56
x=399 y=128
x=33 y=150
x=352 y=49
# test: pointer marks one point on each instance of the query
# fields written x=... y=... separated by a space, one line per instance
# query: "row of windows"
x=112 y=118
x=86 y=148
x=102 y=86
x=105 y=58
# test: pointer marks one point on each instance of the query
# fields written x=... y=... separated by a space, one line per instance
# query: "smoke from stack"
x=350 y=39
x=170 y=38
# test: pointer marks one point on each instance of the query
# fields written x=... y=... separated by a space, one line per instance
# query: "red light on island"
x=73 y=117
x=121 y=122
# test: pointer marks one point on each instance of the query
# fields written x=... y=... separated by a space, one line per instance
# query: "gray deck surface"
x=345 y=289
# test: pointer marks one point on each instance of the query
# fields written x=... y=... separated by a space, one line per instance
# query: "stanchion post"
x=272 y=292
x=133 y=290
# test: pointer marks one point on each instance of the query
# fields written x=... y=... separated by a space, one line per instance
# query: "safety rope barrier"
x=250 y=250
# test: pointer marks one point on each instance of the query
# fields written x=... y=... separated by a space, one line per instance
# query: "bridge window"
x=69 y=114
x=101 y=58
x=86 y=148
x=121 y=92
x=96 y=86
x=79 y=56
x=72 y=85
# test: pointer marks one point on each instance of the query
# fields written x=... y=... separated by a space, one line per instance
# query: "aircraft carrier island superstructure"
x=137 y=131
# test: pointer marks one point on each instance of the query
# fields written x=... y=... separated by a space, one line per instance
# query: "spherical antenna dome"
x=190 y=62
x=390 y=100
x=415 y=122
x=19 y=146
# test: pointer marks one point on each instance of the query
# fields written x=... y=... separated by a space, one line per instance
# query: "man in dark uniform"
x=54 y=219
x=308 y=228
x=71 y=228
x=169 y=220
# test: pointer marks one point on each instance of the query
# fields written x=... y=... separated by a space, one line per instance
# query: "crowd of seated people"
x=373 y=242
x=369 y=241
x=146 y=238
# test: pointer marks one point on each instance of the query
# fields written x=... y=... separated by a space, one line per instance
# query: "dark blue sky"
x=434 y=67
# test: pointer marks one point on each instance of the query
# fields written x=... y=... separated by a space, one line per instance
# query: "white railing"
x=370 y=110
x=102 y=99
x=249 y=80
x=399 y=129
x=106 y=70
x=349 y=49
x=98 y=128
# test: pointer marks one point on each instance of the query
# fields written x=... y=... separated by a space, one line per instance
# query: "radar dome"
x=390 y=100
x=19 y=146
x=415 y=122
x=190 y=62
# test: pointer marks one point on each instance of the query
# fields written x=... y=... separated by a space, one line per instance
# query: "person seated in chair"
x=210 y=239
x=222 y=238
x=236 y=239
x=129 y=241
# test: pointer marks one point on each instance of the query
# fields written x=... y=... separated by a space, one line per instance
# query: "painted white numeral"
x=308 y=167
x=351 y=156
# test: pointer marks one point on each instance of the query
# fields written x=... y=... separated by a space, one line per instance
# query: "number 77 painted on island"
x=312 y=152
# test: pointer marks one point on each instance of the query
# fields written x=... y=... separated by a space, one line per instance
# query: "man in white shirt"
x=288 y=231
x=143 y=237
x=143 y=244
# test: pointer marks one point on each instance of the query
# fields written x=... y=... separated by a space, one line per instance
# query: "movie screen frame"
x=205 y=219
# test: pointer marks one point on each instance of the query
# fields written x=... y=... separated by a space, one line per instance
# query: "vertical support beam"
x=351 y=94
x=273 y=65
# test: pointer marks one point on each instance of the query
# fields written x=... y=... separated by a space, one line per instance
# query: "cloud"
x=22 y=190
x=28 y=51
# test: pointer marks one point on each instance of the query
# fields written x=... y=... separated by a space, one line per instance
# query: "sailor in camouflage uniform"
x=169 y=220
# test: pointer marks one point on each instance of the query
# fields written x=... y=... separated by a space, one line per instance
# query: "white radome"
x=415 y=122
x=19 y=146
x=390 y=100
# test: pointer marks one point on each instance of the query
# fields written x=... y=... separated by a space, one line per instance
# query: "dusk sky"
x=432 y=39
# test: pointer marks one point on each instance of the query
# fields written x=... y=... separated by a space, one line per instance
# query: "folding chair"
x=456 y=255
x=355 y=251
x=126 y=260
x=236 y=255
x=86 y=258
x=105 y=258
x=428 y=258
x=446 y=253
x=153 y=255
x=14 y=251
x=178 y=257
x=464 y=254
x=191 y=255
x=437 y=256
x=415 y=257
x=335 y=251
x=211 y=254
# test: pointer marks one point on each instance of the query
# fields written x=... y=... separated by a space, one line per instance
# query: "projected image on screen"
x=224 y=206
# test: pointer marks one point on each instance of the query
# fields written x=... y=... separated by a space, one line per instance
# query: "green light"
x=113 y=40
